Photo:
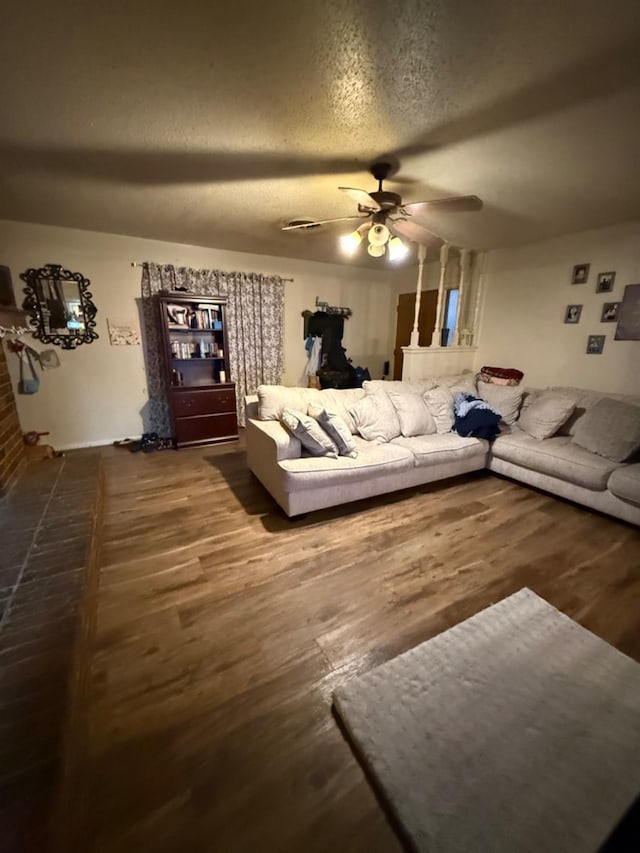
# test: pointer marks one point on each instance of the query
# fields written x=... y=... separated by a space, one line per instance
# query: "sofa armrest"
x=270 y=441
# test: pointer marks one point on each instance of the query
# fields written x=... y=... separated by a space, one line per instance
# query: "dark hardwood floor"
x=223 y=627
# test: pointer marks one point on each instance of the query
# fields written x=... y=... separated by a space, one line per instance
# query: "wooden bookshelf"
x=202 y=397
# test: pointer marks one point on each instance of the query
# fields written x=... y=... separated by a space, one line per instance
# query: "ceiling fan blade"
x=413 y=232
x=302 y=225
x=455 y=204
x=139 y=166
x=363 y=198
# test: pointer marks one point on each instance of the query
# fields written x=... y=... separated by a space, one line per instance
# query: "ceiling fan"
x=386 y=219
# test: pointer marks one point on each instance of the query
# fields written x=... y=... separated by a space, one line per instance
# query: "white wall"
x=527 y=290
x=99 y=391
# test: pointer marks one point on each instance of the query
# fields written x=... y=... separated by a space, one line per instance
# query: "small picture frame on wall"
x=580 y=274
x=610 y=311
x=572 y=314
x=605 y=281
x=595 y=344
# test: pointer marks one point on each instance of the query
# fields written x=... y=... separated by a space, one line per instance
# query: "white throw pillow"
x=413 y=413
x=337 y=430
x=310 y=434
x=505 y=399
x=546 y=414
x=440 y=403
x=376 y=418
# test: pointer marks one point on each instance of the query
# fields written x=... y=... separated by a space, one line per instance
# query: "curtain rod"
x=142 y=263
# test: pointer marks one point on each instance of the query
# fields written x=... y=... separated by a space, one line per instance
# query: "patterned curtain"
x=255 y=320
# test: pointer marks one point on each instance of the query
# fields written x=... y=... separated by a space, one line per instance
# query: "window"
x=450 y=308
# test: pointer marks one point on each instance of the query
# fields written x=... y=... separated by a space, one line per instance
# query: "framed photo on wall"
x=595 y=344
x=604 y=283
x=580 y=274
x=572 y=314
x=610 y=311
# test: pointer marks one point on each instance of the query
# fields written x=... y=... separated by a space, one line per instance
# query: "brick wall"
x=11 y=444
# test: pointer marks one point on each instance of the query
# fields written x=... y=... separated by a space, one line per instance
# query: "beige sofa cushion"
x=556 y=457
x=546 y=414
x=375 y=418
x=585 y=399
x=610 y=428
x=440 y=449
x=373 y=460
x=413 y=413
x=274 y=399
x=339 y=401
x=624 y=483
x=458 y=382
x=505 y=399
x=419 y=386
x=440 y=403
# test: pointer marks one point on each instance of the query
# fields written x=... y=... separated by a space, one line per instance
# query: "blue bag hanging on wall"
x=27 y=386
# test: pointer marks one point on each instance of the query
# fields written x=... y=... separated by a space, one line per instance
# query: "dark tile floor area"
x=46 y=528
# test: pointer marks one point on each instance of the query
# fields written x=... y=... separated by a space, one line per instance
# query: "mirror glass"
x=60 y=306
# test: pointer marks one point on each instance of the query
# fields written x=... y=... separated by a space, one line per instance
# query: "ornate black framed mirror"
x=60 y=306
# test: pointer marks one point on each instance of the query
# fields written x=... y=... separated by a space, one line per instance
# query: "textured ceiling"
x=214 y=124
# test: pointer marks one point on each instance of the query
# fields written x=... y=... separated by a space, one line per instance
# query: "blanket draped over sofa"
x=559 y=463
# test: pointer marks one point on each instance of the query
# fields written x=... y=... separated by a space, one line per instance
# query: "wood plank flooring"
x=223 y=627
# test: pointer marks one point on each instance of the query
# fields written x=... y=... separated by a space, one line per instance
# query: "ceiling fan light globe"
x=397 y=249
x=378 y=235
x=350 y=242
x=376 y=251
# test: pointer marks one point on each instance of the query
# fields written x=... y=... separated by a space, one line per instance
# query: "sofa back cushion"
x=585 y=399
x=546 y=414
x=376 y=418
x=610 y=428
x=440 y=403
x=505 y=399
x=274 y=399
x=413 y=413
x=339 y=401
x=457 y=382
x=419 y=386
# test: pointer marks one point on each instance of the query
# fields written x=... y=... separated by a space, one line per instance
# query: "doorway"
x=404 y=324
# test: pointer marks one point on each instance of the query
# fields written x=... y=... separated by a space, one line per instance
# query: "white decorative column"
x=464 y=261
x=415 y=333
x=476 y=310
x=444 y=257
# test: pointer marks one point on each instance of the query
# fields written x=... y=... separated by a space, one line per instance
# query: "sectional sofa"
x=301 y=483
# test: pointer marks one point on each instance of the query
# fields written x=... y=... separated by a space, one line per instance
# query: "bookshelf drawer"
x=204 y=428
x=204 y=402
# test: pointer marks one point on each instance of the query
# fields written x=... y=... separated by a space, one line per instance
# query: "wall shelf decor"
x=202 y=398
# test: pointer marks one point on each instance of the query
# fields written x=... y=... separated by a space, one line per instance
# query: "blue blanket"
x=475 y=417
